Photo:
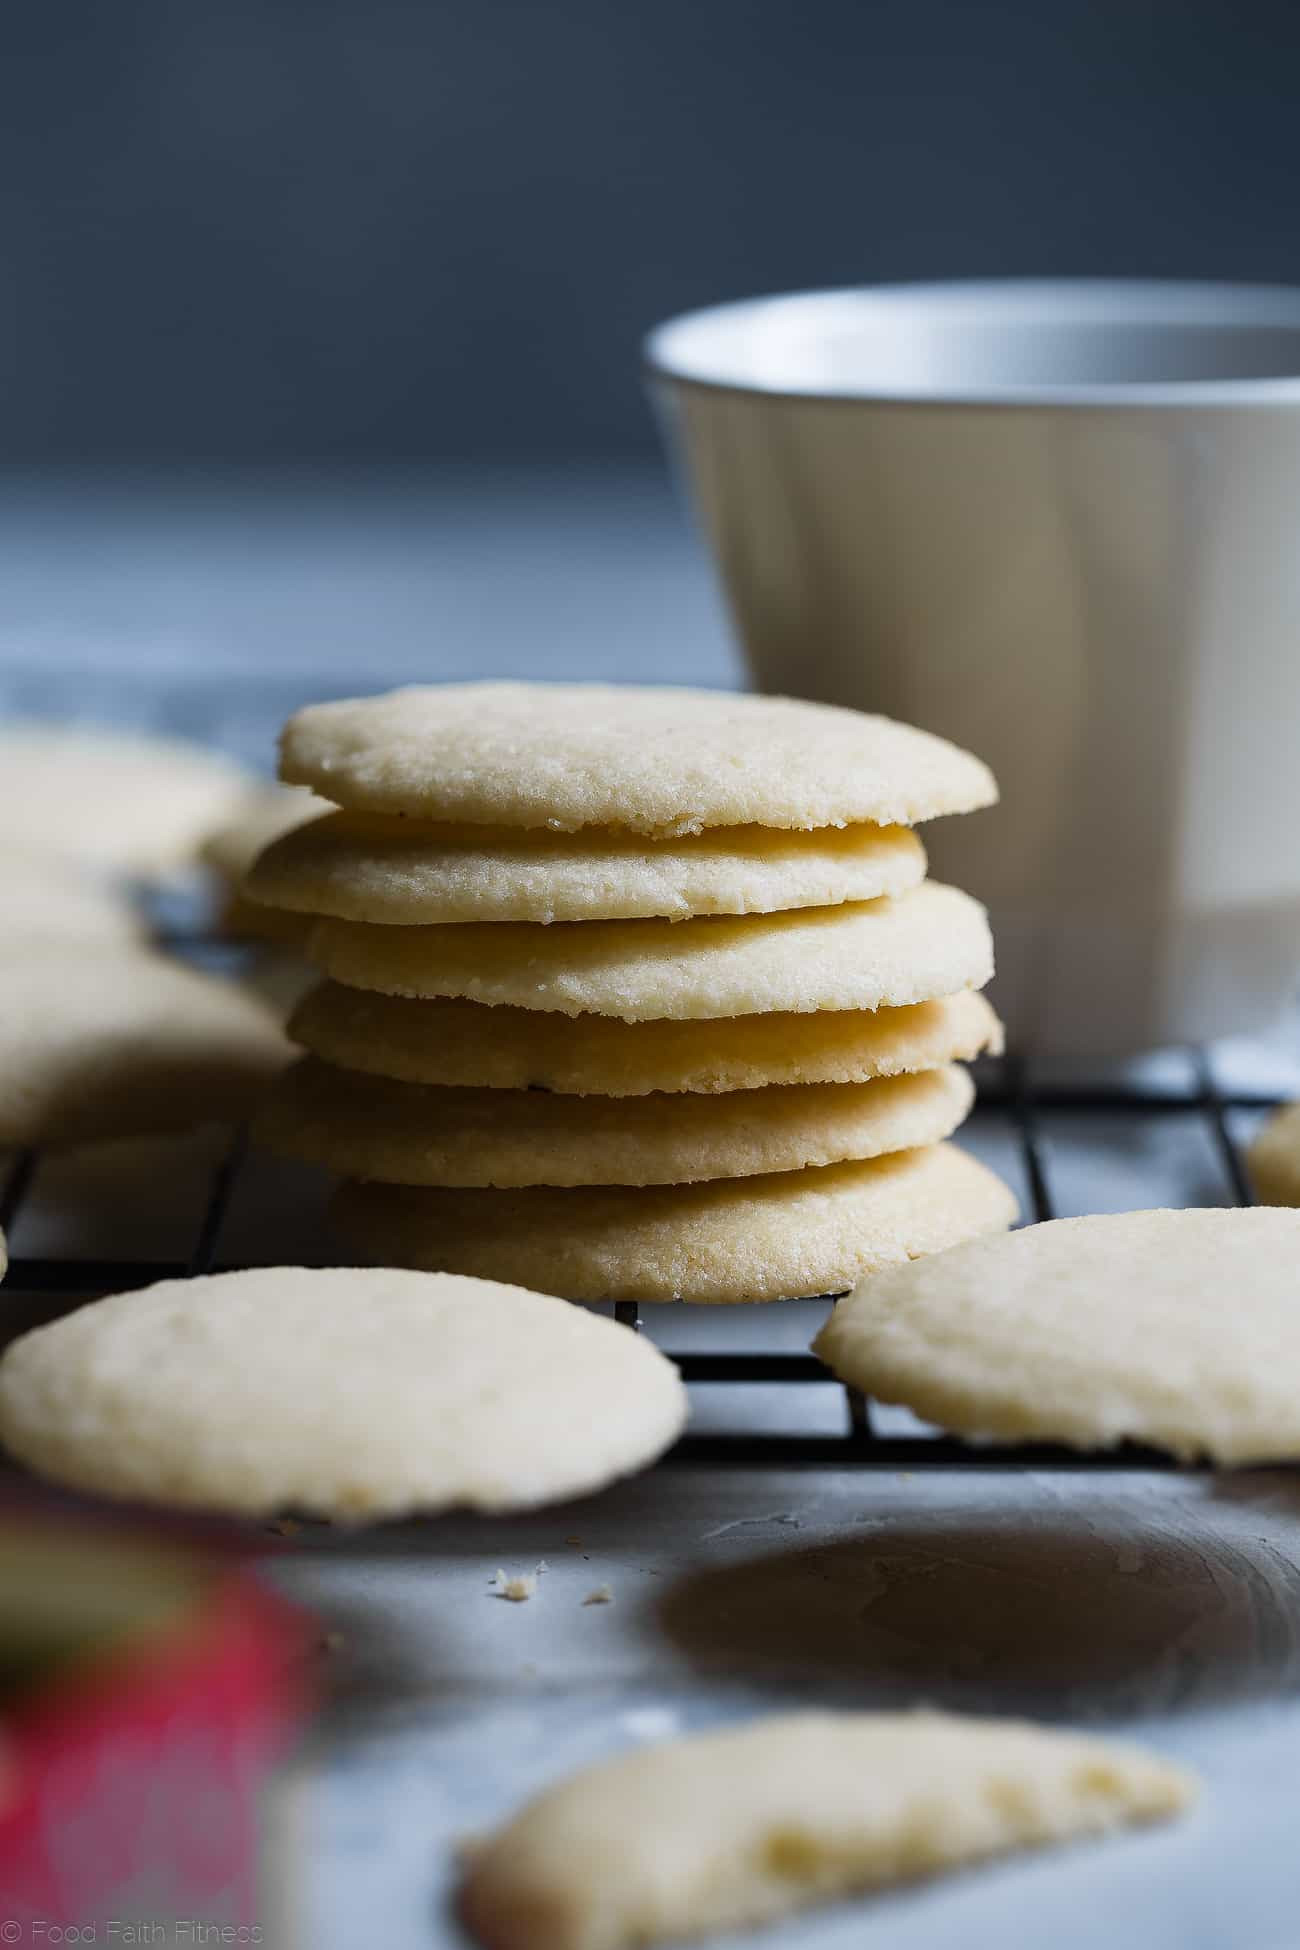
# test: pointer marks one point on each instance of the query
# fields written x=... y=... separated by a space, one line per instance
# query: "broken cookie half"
x=726 y=1829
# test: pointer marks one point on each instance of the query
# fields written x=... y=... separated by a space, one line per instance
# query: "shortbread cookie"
x=120 y=1042
x=1180 y=1329
x=872 y=955
x=361 y=867
x=117 y=800
x=788 y=1236
x=658 y=761
x=264 y=815
x=48 y=900
x=517 y=1049
x=724 y=1830
x=1274 y=1158
x=425 y=1134
x=354 y=1395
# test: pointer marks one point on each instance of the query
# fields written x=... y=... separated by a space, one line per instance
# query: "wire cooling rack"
x=40 y=1288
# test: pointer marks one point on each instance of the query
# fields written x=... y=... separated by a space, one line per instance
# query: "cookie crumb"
x=602 y=1595
x=519 y=1587
x=285 y=1526
x=332 y=1642
x=575 y=1541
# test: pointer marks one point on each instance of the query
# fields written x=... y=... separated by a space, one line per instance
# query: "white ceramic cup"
x=1060 y=524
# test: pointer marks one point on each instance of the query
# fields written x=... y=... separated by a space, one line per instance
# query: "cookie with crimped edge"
x=660 y=761
x=122 y=801
x=1180 y=1329
x=464 y=1043
x=360 y=867
x=791 y=1235
x=1274 y=1158
x=426 y=1134
x=121 y=1042
x=868 y=955
x=724 y=1830
x=350 y=1394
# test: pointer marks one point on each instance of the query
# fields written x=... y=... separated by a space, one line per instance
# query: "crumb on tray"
x=517 y=1586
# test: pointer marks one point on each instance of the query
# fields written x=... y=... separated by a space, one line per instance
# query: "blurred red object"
x=148 y=1689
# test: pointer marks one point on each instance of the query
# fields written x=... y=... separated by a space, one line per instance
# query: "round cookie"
x=723 y=1830
x=353 y=1395
x=403 y=872
x=1179 y=1329
x=789 y=1236
x=117 y=800
x=45 y=900
x=514 y=1049
x=1274 y=1158
x=120 y=1043
x=424 y=1134
x=869 y=955
x=659 y=761
x=265 y=814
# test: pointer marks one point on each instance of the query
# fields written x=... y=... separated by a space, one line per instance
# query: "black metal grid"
x=51 y=1286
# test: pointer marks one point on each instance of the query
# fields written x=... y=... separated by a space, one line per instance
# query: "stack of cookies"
x=633 y=994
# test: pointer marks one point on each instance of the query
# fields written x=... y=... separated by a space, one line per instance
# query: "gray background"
x=356 y=230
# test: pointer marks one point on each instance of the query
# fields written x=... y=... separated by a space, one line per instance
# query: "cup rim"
x=671 y=351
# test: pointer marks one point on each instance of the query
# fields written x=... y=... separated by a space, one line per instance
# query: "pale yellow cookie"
x=869 y=955
x=791 y=1235
x=361 y=867
x=245 y=920
x=48 y=900
x=106 y=1042
x=658 y=761
x=724 y=1830
x=1180 y=1329
x=1274 y=1158
x=262 y=816
x=117 y=800
x=425 y=1134
x=354 y=1395
x=513 y=1049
